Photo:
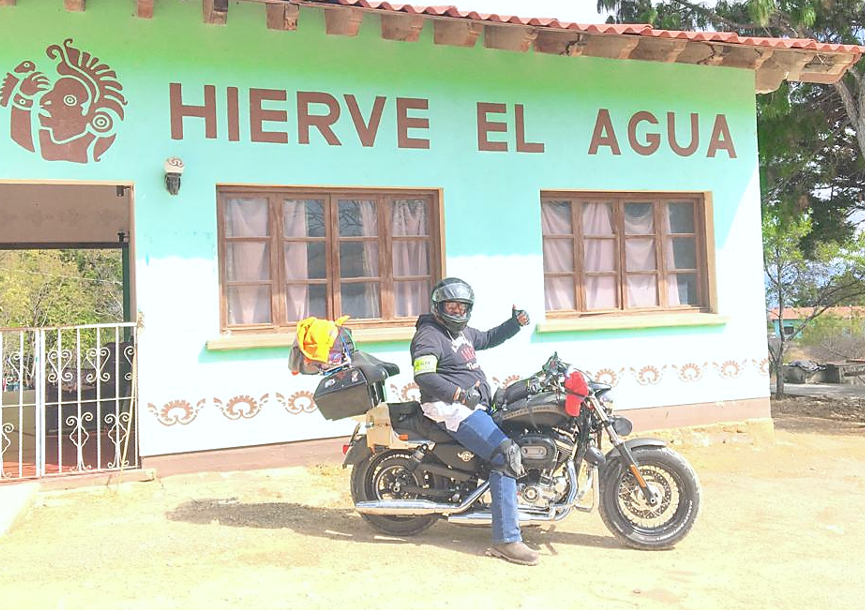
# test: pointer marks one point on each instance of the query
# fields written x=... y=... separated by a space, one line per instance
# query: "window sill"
x=631 y=321
x=286 y=339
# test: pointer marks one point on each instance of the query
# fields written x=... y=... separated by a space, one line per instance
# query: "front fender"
x=634 y=443
x=357 y=453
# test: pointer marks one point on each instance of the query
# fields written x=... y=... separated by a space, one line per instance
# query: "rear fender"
x=357 y=452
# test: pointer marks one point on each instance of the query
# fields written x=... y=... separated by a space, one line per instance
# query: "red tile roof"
x=639 y=29
x=799 y=313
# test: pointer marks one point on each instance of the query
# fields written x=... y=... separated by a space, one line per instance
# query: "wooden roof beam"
x=342 y=21
x=77 y=6
x=282 y=16
x=215 y=11
x=611 y=47
x=144 y=9
x=456 y=32
x=404 y=28
x=7 y=2
x=664 y=50
x=571 y=44
x=509 y=38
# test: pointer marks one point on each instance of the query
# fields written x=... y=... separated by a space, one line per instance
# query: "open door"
x=67 y=330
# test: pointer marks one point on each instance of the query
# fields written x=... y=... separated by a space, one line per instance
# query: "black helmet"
x=451 y=289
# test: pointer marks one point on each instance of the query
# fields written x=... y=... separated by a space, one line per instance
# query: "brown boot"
x=515 y=552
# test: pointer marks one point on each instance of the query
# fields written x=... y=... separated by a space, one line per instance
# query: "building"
x=342 y=155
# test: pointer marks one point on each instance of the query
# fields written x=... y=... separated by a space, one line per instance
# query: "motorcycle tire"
x=379 y=478
x=627 y=514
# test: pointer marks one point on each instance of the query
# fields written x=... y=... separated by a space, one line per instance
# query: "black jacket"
x=457 y=365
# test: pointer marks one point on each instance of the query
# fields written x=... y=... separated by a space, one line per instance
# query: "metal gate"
x=68 y=400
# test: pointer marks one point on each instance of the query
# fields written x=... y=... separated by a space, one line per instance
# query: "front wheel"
x=385 y=477
x=628 y=515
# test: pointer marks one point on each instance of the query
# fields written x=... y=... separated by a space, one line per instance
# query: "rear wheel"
x=628 y=515
x=385 y=477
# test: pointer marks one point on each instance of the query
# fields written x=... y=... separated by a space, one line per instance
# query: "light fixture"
x=173 y=170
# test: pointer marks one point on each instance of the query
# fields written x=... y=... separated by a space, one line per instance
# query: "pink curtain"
x=679 y=219
x=358 y=218
x=247 y=261
x=296 y=257
x=410 y=257
x=558 y=255
x=599 y=253
x=642 y=290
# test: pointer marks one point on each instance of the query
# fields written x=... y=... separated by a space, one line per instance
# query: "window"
x=608 y=253
x=289 y=254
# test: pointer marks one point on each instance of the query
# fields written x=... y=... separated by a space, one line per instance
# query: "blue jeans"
x=479 y=434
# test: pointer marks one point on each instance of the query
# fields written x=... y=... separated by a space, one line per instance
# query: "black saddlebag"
x=344 y=393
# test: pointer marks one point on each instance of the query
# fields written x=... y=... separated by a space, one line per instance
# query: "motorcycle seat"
x=407 y=418
x=373 y=369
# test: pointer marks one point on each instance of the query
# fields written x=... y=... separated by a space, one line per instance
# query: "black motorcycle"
x=408 y=472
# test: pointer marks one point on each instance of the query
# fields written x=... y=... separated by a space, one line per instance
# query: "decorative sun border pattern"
x=243 y=406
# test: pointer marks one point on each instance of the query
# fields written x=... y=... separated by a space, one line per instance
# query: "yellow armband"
x=425 y=364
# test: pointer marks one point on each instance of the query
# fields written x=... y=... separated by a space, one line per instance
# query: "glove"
x=469 y=398
x=520 y=315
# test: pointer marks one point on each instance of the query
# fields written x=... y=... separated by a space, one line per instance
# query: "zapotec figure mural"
x=75 y=116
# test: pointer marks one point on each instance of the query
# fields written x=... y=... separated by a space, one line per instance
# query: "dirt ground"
x=781 y=527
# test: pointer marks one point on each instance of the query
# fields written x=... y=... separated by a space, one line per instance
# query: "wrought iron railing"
x=68 y=400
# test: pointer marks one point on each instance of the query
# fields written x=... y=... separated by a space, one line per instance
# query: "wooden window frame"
x=701 y=235
x=384 y=198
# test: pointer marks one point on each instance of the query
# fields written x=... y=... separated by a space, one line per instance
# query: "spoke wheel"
x=635 y=521
x=386 y=477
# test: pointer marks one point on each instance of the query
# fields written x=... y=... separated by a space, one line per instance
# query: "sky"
x=580 y=11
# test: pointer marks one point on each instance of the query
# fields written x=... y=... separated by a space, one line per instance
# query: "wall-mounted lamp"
x=173 y=170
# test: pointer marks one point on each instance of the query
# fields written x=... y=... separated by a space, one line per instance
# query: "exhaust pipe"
x=412 y=508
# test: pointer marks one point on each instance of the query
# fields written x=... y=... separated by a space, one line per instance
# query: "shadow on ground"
x=346 y=524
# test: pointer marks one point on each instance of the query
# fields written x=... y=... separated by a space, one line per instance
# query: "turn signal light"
x=345 y=449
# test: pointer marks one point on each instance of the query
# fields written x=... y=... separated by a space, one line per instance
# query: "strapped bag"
x=320 y=345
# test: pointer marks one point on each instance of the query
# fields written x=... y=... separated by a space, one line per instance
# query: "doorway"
x=67 y=330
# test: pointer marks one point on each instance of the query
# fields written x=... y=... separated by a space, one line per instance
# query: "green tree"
x=832 y=275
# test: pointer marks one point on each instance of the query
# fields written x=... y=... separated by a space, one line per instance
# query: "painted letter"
x=320 y=122
x=179 y=110
x=695 y=135
x=604 y=135
x=366 y=131
x=721 y=139
x=653 y=140
x=405 y=122
x=257 y=116
x=233 y=114
x=522 y=145
x=485 y=127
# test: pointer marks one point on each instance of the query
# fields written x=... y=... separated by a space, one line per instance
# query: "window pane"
x=246 y=217
x=559 y=293
x=411 y=298
x=410 y=258
x=556 y=218
x=682 y=289
x=558 y=255
x=248 y=304
x=361 y=300
x=303 y=301
x=684 y=253
x=642 y=291
x=409 y=217
x=599 y=255
x=305 y=261
x=303 y=217
x=358 y=259
x=681 y=217
x=357 y=218
x=601 y=293
x=247 y=261
x=639 y=219
x=640 y=255
x=598 y=218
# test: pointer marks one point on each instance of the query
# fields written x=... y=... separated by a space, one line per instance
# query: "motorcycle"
x=408 y=472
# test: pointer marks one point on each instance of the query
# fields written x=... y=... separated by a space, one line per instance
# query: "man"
x=454 y=392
